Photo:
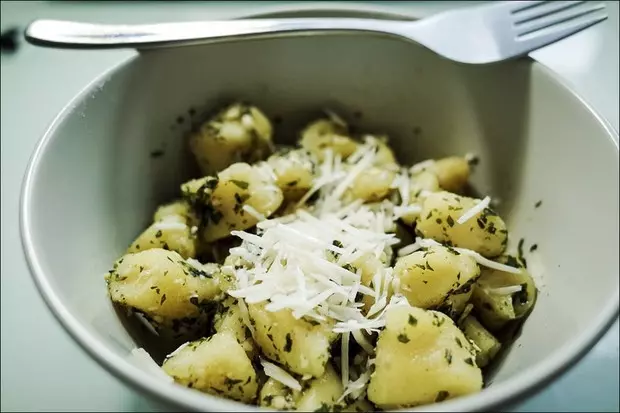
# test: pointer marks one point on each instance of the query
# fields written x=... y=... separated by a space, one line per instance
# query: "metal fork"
x=477 y=35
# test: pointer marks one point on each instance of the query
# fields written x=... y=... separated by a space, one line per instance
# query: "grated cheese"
x=166 y=225
x=279 y=374
x=507 y=290
x=252 y=211
x=475 y=210
x=427 y=242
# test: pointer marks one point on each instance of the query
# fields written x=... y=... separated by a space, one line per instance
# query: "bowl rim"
x=525 y=383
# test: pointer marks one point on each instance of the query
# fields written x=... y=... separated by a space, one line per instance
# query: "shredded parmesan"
x=178 y=350
x=165 y=225
x=507 y=290
x=252 y=211
x=409 y=249
x=146 y=323
x=280 y=375
x=426 y=242
x=475 y=210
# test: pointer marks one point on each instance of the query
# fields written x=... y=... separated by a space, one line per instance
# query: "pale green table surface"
x=42 y=369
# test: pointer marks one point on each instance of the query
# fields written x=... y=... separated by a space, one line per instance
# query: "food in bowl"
x=325 y=276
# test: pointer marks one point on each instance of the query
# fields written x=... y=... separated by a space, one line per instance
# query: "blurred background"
x=42 y=369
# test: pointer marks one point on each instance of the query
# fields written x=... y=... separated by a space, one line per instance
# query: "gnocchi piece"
x=170 y=234
x=215 y=365
x=369 y=265
x=180 y=211
x=500 y=297
x=174 y=296
x=302 y=346
x=325 y=134
x=230 y=320
x=239 y=186
x=484 y=233
x=429 y=278
x=276 y=395
x=294 y=172
x=423 y=181
x=489 y=346
x=371 y=185
x=198 y=192
x=322 y=393
x=239 y=133
x=452 y=173
x=455 y=304
x=360 y=405
x=421 y=358
x=384 y=155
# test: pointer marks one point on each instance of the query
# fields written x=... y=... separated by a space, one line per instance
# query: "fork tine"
x=549 y=8
x=572 y=16
x=549 y=35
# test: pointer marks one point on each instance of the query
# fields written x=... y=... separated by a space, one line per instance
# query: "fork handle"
x=76 y=35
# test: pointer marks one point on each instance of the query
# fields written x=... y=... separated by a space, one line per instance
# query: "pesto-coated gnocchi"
x=300 y=345
x=452 y=173
x=487 y=345
x=422 y=357
x=239 y=133
x=429 y=278
x=240 y=194
x=230 y=320
x=485 y=232
x=324 y=134
x=294 y=171
x=173 y=295
x=325 y=276
x=216 y=365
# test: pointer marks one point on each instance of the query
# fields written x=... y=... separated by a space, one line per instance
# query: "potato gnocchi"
x=325 y=276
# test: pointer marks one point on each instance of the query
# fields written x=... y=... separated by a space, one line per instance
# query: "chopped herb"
x=425 y=282
x=412 y=320
x=194 y=300
x=458 y=342
x=165 y=246
x=324 y=408
x=441 y=396
x=533 y=248
x=453 y=251
x=420 y=266
x=469 y=361
x=240 y=184
x=438 y=220
x=157 y=153
x=450 y=221
x=158 y=234
x=480 y=223
x=163 y=299
x=268 y=398
x=538 y=204
x=430 y=214
x=289 y=343
x=428 y=267
x=448 y=356
x=141 y=268
x=520 y=248
x=458 y=276
x=293 y=183
x=231 y=382
x=403 y=338
x=491 y=229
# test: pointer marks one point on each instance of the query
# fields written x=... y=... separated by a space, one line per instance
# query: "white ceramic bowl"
x=93 y=183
